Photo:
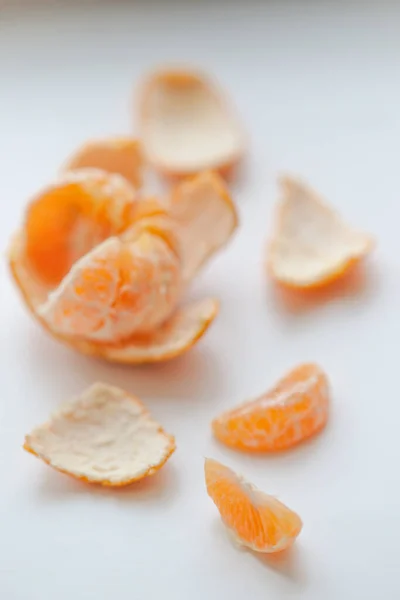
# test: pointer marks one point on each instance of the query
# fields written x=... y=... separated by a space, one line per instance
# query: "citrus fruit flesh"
x=295 y=409
x=72 y=216
x=255 y=519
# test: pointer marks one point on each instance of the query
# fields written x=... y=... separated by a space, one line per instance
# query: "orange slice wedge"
x=312 y=246
x=256 y=520
x=120 y=155
x=295 y=409
x=207 y=217
x=104 y=436
x=187 y=125
x=103 y=273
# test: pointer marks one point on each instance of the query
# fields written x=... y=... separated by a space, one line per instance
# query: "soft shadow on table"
x=358 y=284
x=186 y=377
x=298 y=454
x=288 y=563
x=162 y=487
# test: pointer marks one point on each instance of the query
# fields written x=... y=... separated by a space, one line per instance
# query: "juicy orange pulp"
x=257 y=520
x=295 y=409
x=64 y=224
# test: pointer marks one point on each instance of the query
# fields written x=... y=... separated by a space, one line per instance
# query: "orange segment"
x=295 y=409
x=187 y=125
x=207 y=217
x=104 y=436
x=73 y=215
x=257 y=520
x=120 y=155
x=312 y=246
x=116 y=290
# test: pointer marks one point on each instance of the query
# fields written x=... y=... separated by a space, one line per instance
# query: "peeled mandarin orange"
x=187 y=125
x=118 y=286
x=105 y=273
x=120 y=155
x=256 y=520
x=104 y=436
x=295 y=409
x=116 y=290
x=312 y=246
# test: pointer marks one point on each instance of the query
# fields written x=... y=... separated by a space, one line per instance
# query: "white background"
x=318 y=88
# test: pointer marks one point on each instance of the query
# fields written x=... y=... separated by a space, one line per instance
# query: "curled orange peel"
x=187 y=125
x=311 y=245
x=103 y=436
x=121 y=155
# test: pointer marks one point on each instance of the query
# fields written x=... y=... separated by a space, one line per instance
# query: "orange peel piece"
x=122 y=155
x=71 y=216
x=104 y=436
x=312 y=246
x=207 y=217
x=294 y=410
x=187 y=126
x=256 y=520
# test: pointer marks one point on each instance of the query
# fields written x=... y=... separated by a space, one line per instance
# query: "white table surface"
x=318 y=88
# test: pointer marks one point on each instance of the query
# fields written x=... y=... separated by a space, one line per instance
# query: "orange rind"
x=104 y=436
x=122 y=155
x=294 y=410
x=207 y=217
x=71 y=216
x=312 y=246
x=187 y=126
x=256 y=520
x=106 y=273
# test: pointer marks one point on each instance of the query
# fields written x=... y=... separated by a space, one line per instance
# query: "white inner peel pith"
x=312 y=241
x=187 y=127
x=206 y=218
x=102 y=435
